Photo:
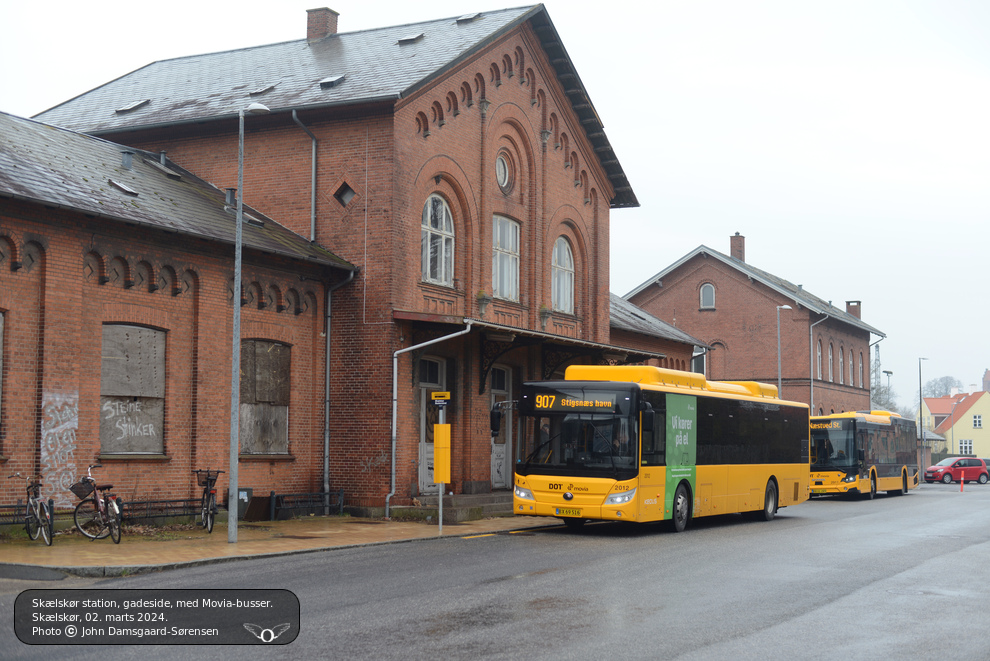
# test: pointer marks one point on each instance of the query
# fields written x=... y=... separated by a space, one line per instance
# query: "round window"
x=503 y=173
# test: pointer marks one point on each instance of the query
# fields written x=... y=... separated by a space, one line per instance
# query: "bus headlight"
x=620 y=498
x=522 y=492
x=849 y=478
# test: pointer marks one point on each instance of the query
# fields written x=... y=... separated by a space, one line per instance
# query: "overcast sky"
x=847 y=140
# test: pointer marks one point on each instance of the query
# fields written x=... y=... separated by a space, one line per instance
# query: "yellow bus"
x=640 y=443
x=862 y=452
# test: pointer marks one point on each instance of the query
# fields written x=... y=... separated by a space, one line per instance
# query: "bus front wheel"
x=681 y=510
x=873 y=487
x=769 y=502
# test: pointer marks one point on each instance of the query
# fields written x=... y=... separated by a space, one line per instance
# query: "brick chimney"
x=854 y=308
x=320 y=23
x=737 y=247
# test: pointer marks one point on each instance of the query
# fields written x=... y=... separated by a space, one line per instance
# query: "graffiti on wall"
x=59 y=422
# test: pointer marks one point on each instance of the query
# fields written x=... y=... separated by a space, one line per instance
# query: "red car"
x=953 y=469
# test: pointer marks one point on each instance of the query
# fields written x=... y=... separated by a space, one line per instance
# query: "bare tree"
x=941 y=387
x=883 y=397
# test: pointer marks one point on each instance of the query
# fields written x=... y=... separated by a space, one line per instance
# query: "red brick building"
x=116 y=302
x=460 y=164
x=733 y=307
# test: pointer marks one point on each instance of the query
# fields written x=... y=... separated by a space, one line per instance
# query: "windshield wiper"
x=534 y=453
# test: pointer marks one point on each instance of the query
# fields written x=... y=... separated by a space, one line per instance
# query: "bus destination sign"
x=574 y=402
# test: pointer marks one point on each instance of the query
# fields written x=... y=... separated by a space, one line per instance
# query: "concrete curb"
x=117 y=571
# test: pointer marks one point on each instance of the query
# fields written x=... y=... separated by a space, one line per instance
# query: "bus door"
x=652 y=473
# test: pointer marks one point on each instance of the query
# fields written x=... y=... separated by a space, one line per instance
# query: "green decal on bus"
x=682 y=443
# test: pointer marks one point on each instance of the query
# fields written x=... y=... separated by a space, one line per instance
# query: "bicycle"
x=37 y=517
x=98 y=513
x=208 y=480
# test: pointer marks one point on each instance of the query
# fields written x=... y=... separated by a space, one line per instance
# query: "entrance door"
x=431 y=378
x=501 y=388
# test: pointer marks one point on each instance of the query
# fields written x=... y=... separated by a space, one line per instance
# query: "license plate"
x=818 y=491
x=568 y=512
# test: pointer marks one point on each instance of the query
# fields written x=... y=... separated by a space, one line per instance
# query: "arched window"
x=819 y=360
x=438 y=242
x=708 y=295
x=861 y=371
x=852 y=374
x=562 y=277
x=842 y=362
x=831 y=379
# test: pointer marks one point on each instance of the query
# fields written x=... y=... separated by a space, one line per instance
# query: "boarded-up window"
x=264 y=414
x=132 y=390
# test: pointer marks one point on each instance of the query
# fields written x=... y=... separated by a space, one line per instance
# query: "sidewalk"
x=78 y=556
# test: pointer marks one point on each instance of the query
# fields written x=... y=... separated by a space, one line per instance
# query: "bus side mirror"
x=649 y=420
x=495 y=418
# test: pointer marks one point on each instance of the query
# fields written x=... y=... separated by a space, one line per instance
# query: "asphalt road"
x=895 y=577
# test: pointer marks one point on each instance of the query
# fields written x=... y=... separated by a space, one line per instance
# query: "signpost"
x=441 y=448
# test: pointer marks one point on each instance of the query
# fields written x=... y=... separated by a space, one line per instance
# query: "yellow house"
x=967 y=427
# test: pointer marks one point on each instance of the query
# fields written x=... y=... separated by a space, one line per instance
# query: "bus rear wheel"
x=904 y=487
x=769 y=503
x=681 y=511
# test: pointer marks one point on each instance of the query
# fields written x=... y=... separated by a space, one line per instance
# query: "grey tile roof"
x=794 y=292
x=57 y=167
x=626 y=316
x=376 y=68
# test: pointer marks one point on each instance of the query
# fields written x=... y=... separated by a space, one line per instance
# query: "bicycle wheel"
x=113 y=518
x=210 y=512
x=89 y=520
x=47 y=525
x=31 y=523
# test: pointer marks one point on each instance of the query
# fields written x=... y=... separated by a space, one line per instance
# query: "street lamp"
x=921 y=419
x=779 y=308
x=235 y=358
x=888 y=373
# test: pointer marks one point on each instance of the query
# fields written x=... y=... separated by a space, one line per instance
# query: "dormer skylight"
x=261 y=90
x=331 y=81
x=467 y=18
x=164 y=169
x=123 y=188
x=410 y=39
x=130 y=107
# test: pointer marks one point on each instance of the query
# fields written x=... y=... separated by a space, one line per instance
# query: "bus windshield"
x=833 y=445
x=579 y=433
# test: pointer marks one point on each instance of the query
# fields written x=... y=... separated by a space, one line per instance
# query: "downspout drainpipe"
x=811 y=345
x=326 y=398
x=312 y=182
x=395 y=396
